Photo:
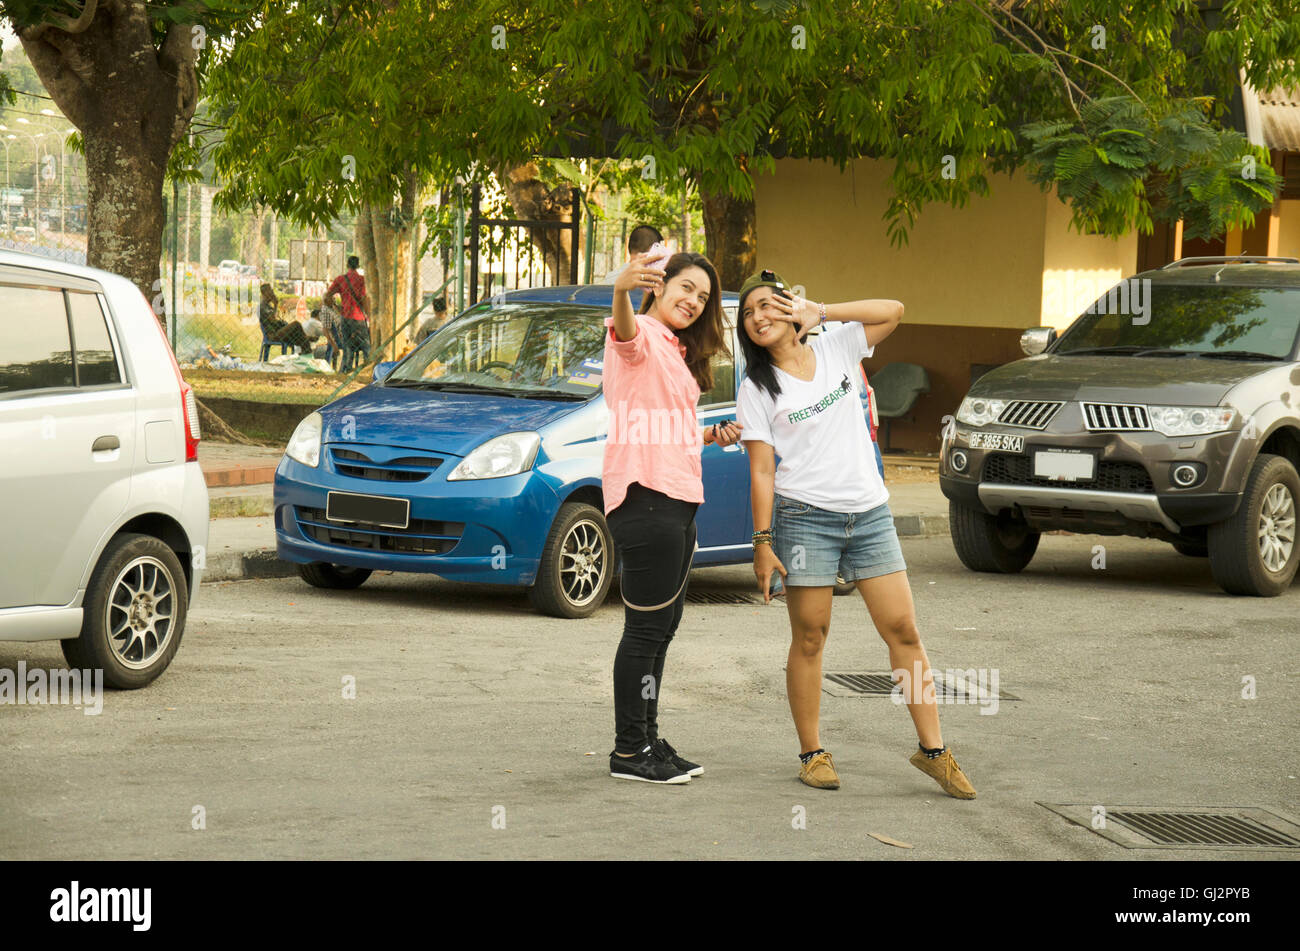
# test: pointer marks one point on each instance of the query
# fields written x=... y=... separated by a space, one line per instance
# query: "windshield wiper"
x=1239 y=355
x=542 y=393
x=444 y=385
x=1124 y=350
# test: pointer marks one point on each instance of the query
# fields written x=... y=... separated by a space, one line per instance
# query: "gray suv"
x=1169 y=410
x=103 y=508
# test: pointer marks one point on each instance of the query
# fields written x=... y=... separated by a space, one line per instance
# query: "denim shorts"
x=815 y=545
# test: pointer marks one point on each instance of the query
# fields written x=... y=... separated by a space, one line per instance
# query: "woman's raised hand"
x=639 y=274
x=799 y=311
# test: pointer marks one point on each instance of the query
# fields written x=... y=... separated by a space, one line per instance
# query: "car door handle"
x=105 y=443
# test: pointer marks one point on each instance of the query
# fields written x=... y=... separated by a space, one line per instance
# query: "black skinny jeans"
x=655 y=536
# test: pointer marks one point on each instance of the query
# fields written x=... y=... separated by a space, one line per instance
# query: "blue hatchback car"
x=477 y=458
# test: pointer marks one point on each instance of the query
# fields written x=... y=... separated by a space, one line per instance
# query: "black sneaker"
x=647 y=767
x=665 y=752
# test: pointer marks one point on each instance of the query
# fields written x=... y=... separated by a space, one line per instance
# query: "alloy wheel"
x=139 y=612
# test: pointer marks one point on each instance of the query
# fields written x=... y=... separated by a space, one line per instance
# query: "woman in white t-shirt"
x=823 y=511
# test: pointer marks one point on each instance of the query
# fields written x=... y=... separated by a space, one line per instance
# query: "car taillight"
x=189 y=403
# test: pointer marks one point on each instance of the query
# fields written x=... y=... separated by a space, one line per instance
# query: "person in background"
x=638 y=242
x=276 y=330
x=434 y=323
x=350 y=287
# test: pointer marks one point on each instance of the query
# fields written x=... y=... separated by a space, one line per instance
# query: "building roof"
x=1279 y=116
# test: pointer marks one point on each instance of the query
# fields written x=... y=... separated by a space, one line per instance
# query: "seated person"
x=276 y=330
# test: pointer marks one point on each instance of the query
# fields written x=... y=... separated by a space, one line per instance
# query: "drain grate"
x=874 y=685
x=1198 y=827
x=717 y=597
x=947 y=686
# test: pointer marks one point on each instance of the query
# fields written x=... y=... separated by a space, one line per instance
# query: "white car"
x=229 y=268
x=104 y=508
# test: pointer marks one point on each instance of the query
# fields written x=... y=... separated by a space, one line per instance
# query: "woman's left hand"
x=724 y=434
x=800 y=311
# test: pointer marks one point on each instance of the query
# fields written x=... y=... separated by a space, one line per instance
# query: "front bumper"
x=488 y=530
x=1132 y=491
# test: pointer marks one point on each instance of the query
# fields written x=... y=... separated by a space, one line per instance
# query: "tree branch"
x=67 y=24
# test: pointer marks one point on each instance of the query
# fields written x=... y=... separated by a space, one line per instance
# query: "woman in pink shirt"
x=656 y=366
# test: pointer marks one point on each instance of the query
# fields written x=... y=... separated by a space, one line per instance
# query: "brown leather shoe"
x=820 y=772
x=943 y=769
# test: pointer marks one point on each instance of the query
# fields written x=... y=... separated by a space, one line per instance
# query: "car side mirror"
x=382 y=369
x=1037 y=339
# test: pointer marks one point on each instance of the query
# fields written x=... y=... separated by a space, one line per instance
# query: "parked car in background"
x=478 y=458
x=247 y=270
x=24 y=233
x=1170 y=410
x=281 y=266
x=228 y=268
x=104 y=509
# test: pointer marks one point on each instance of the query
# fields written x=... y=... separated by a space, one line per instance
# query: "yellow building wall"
x=978 y=266
x=1078 y=268
x=1288 y=236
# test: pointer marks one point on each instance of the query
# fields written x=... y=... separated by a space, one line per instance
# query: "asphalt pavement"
x=417 y=718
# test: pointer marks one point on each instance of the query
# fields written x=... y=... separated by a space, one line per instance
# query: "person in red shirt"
x=351 y=289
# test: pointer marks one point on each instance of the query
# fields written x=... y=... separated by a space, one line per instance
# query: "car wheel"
x=577 y=564
x=133 y=614
x=1001 y=543
x=321 y=574
x=1254 y=552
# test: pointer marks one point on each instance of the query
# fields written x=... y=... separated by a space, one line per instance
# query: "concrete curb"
x=263 y=563
x=247 y=565
x=922 y=525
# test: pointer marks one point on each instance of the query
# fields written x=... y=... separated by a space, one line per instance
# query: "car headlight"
x=304 y=444
x=1190 y=420
x=977 y=411
x=506 y=455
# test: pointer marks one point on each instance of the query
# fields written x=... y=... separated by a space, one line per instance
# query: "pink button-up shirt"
x=651 y=397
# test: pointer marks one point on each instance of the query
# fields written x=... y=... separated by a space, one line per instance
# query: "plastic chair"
x=897 y=387
x=267 y=344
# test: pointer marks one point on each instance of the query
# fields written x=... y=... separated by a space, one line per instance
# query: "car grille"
x=421 y=537
x=1111 y=476
x=1031 y=414
x=349 y=462
x=1115 y=418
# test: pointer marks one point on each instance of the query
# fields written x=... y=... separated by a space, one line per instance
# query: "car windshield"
x=524 y=349
x=1248 y=322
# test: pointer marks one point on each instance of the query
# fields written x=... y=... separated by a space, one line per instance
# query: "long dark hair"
x=704 y=337
x=758 y=362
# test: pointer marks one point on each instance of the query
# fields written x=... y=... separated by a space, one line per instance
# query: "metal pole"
x=591 y=244
x=63 y=187
x=460 y=248
x=473 y=246
x=577 y=233
x=176 y=221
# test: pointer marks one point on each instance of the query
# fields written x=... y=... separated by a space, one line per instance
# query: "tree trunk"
x=381 y=237
x=124 y=214
x=730 y=236
x=532 y=199
x=132 y=100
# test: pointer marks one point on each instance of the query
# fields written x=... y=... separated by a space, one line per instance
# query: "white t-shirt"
x=818 y=428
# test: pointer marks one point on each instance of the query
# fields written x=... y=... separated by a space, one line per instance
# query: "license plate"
x=1003 y=442
x=370 y=509
x=1064 y=466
